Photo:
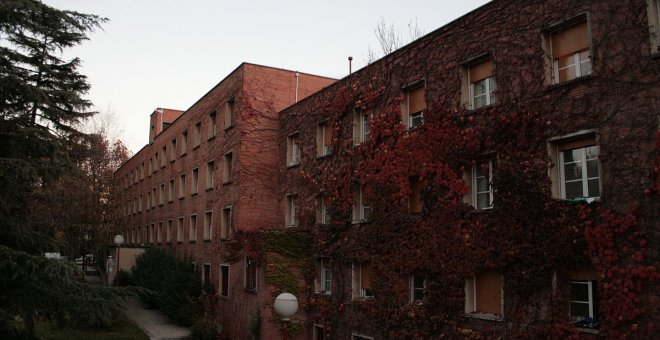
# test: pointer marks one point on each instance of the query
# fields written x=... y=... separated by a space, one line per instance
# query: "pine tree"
x=41 y=104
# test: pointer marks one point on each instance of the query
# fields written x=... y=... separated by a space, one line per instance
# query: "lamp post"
x=119 y=240
x=285 y=306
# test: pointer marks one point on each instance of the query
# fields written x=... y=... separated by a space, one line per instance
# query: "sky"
x=167 y=53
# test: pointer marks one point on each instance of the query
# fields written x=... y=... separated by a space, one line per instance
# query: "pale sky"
x=167 y=53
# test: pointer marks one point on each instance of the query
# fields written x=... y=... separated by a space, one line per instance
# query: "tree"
x=41 y=103
x=390 y=40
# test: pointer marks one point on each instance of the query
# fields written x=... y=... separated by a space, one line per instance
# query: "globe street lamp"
x=119 y=240
x=285 y=306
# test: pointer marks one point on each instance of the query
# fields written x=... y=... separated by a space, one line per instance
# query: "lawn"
x=123 y=329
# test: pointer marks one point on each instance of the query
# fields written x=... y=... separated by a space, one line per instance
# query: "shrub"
x=174 y=287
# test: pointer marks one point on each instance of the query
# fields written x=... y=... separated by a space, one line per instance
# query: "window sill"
x=291 y=166
x=224 y=297
x=192 y=241
x=360 y=221
x=193 y=194
x=482 y=108
x=229 y=127
x=183 y=154
x=226 y=183
x=251 y=290
x=587 y=330
x=485 y=316
x=585 y=200
x=207 y=240
x=208 y=189
x=291 y=226
x=179 y=242
x=170 y=201
x=550 y=87
x=210 y=138
x=196 y=146
x=181 y=197
x=320 y=157
x=173 y=160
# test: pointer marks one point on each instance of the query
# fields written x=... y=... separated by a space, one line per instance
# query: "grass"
x=123 y=329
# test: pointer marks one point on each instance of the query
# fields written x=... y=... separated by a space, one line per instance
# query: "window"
x=151 y=166
x=362 y=280
x=482 y=189
x=140 y=203
x=361 y=128
x=417 y=285
x=208 y=225
x=484 y=294
x=163 y=156
x=318 y=333
x=227 y=168
x=361 y=209
x=159 y=235
x=293 y=150
x=481 y=79
x=142 y=171
x=193 y=267
x=152 y=237
x=161 y=194
x=206 y=273
x=210 y=174
x=212 y=126
x=148 y=200
x=579 y=171
x=415 y=196
x=184 y=143
x=654 y=24
x=169 y=231
x=153 y=198
x=413 y=106
x=173 y=150
x=170 y=191
x=230 y=114
x=224 y=280
x=583 y=307
x=182 y=185
x=192 y=236
x=250 y=275
x=325 y=276
x=225 y=224
x=322 y=213
x=290 y=215
x=138 y=235
x=195 y=181
x=569 y=50
x=179 y=229
x=197 y=135
x=156 y=162
x=323 y=139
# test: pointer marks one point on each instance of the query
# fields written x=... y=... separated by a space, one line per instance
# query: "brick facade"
x=612 y=103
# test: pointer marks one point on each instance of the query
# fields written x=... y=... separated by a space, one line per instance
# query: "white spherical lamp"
x=119 y=240
x=285 y=305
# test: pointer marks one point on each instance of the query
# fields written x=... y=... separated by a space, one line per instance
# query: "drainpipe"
x=297 y=79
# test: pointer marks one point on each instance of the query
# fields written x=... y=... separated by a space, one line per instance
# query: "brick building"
x=206 y=174
x=460 y=186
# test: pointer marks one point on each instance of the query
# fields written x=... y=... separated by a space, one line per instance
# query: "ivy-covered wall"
x=532 y=238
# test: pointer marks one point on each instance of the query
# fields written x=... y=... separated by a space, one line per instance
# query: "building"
x=497 y=177
x=205 y=175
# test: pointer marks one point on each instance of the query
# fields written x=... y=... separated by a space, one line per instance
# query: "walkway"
x=154 y=323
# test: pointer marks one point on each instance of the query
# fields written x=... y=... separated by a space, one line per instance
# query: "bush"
x=174 y=287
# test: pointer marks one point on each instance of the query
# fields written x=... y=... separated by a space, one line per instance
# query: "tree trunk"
x=29 y=325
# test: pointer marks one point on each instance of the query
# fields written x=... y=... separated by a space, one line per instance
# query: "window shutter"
x=489 y=293
x=570 y=40
x=583 y=273
x=577 y=143
x=481 y=70
x=416 y=102
x=365 y=278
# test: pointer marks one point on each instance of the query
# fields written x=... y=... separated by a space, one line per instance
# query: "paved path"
x=154 y=323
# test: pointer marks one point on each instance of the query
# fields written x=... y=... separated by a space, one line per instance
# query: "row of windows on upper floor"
x=179 y=146
x=569 y=59
x=157 y=195
x=164 y=231
x=484 y=292
x=576 y=175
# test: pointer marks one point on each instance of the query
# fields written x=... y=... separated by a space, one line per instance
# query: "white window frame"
x=364 y=211
x=324 y=216
x=584 y=178
x=204 y=278
x=412 y=289
x=577 y=63
x=358 y=336
x=316 y=335
x=326 y=149
x=192 y=228
x=170 y=190
x=170 y=227
x=182 y=185
x=358 y=291
x=590 y=302
x=228 y=280
x=210 y=175
x=226 y=223
x=488 y=94
x=475 y=193
x=208 y=225
x=326 y=278
x=194 y=181
x=292 y=218
x=180 y=228
x=481 y=315
x=362 y=127
x=249 y=261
